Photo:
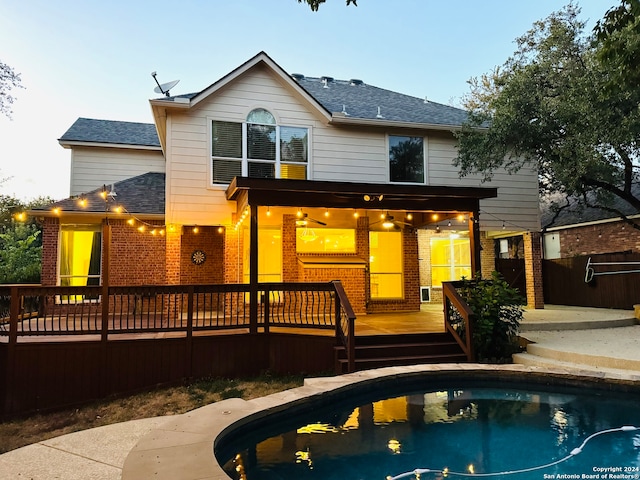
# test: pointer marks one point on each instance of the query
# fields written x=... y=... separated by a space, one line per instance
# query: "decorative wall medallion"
x=198 y=257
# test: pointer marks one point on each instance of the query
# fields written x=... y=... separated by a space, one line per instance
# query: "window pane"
x=323 y=240
x=260 y=115
x=298 y=172
x=293 y=144
x=262 y=170
x=225 y=170
x=385 y=264
x=269 y=254
x=450 y=259
x=261 y=142
x=226 y=139
x=406 y=159
x=80 y=256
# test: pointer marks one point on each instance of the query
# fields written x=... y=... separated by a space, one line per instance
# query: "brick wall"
x=210 y=241
x=136 y=258
x=604 y=238
x=50 y=235
x=353 y=281
x=533 y=269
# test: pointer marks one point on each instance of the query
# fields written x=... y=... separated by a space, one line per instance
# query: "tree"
x=9 y=79
x=555 y=106
x=20 y=241
x=315 y=4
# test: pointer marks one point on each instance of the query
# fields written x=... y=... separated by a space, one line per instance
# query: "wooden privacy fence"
x=65 y=345
x=564 y=281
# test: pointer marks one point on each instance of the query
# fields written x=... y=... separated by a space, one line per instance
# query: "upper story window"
x=406 y=159
x=258 y=147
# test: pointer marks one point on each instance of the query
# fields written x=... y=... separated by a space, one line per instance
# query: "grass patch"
x=166 y=401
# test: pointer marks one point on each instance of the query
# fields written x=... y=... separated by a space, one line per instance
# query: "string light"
x=445 y=472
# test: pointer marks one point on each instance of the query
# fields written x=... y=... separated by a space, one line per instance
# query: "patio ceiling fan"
x=388 y=221
x=304 y=218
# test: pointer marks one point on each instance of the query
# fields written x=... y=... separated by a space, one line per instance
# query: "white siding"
x=93 y=167
x=336 y=154
x=517 y=201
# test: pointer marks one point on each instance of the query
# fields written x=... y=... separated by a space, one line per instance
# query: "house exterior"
x=266 y=176
x=577 y=230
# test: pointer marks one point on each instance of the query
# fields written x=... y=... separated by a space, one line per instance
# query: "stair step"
x=401 y=349
x=368 y=363
x=537 y=361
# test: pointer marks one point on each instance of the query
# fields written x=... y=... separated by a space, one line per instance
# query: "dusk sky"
x=94 y=58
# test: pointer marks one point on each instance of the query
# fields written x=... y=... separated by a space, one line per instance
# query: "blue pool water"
x=471 y=430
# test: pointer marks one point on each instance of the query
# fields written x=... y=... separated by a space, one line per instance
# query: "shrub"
x=498 y=309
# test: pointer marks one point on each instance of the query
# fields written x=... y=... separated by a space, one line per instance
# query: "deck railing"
x=345 y=325
x=459 y=319
x=29 y=310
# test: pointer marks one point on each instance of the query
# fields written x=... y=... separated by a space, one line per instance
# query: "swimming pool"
x=184 y=445
x=442 y=427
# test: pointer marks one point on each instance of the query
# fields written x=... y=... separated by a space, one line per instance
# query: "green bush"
x=498 y=309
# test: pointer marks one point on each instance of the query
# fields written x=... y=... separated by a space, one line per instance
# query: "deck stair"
x=392 y=350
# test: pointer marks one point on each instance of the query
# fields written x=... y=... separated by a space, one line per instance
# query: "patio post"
x=253 y=271
x=474 y=240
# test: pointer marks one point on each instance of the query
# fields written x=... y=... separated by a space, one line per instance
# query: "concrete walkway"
x=100 y=453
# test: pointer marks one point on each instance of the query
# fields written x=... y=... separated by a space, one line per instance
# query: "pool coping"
x=182 y=447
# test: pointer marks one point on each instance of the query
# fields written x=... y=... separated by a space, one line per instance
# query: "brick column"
x=172 y=255
x=232 y=256
x=50 y=235
x=289 y=256
x=411 y=269
x=533 y=269
x=362 y=251
x=487 y=255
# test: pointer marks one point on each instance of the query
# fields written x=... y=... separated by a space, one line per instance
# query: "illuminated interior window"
x=80 y=255
x=385 y=264
x=258 y=148
x=450 y=258
x=325 y=240
x=269 y=255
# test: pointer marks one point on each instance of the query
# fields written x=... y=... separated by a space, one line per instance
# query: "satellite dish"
x=165 y=87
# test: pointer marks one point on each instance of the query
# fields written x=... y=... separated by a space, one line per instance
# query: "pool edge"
x=183 y=446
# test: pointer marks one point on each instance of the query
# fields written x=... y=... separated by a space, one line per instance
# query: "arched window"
x=258 y=147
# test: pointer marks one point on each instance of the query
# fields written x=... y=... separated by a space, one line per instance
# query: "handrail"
x=80 y=310
x=345 y=325
x=461 y=321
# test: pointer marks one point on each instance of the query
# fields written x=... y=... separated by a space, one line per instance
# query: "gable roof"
x=364 y=104
x=140 y=195
x=92 y=131
x=576 y=213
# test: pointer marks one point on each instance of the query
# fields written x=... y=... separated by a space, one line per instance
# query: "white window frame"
x=425 y=150
x=245 y=148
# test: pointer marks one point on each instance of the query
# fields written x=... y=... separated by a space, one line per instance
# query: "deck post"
x=104 y=318
x=189 y=338
x=14 y=312
x=253 y=271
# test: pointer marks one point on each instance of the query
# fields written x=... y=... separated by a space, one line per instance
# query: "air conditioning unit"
x=425 y=294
